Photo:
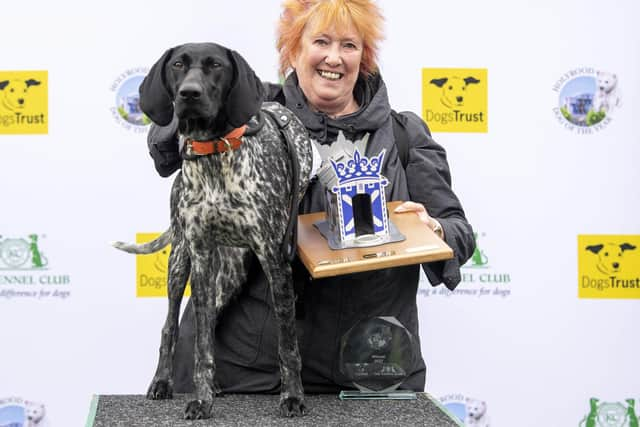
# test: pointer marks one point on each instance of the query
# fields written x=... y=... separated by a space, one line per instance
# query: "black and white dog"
x=237 y=193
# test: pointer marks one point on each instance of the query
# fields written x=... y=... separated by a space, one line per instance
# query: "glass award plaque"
x=377 y=355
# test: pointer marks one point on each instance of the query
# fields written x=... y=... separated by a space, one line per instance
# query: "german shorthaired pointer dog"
x=236 y=193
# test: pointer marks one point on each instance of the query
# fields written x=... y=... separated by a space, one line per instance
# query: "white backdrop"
x=534 y=354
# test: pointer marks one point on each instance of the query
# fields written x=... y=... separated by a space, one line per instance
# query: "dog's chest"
x=229 y=192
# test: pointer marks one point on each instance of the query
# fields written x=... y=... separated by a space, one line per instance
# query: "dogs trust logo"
x=610 y=414
x=24 y=270
x=24 y=102
x=587 y=99
x=17 y=412
x=126 y=111
x=151 y=270
x=609 y=266
x=455 y=99
x=471 y=412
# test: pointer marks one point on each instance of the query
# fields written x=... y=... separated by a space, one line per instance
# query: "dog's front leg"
x=203 y=292
x=280 y=279
x=179 y=267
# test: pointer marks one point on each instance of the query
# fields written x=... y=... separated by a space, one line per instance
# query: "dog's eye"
x=216 y=65
x=179 y=65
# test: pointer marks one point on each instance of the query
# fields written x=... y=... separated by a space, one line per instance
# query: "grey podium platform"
x=254 y=410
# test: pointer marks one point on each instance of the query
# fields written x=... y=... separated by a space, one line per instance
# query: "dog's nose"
x=21 y=101
x=190 y=91
x=459 y=98
x=616 y=265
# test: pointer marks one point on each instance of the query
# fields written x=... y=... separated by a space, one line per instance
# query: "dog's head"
x=610 y=256
x=606 y=81
x=475 y=408
x=453 y=89
x=15 y=92
x=34 y=411
x=209 y=87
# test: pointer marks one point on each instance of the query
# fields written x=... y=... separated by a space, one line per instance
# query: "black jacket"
x=246 y=352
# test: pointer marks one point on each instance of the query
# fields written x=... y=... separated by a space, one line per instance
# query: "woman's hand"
x=422 y=213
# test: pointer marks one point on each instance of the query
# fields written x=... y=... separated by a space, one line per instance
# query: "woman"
x=328 y=48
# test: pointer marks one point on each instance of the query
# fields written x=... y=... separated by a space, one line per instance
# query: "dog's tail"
x=146 y=248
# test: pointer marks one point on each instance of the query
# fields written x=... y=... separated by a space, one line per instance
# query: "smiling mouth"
x=330 y=75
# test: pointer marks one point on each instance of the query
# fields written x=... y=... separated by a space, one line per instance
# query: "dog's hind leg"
x=278 y=273
x=179 y=267
x=203 y=294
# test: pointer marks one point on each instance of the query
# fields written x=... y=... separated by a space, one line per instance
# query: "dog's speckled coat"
x=223 y=207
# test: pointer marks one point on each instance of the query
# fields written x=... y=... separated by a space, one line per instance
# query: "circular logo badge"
x=14 y=252
x=611 y=414
x=587 y=99
x=126 y=110
x=128 y=101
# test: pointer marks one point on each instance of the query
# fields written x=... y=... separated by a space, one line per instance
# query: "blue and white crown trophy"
x=356 y=205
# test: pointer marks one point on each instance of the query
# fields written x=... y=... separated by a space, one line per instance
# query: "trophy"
x=377 y=355
x=355 y=197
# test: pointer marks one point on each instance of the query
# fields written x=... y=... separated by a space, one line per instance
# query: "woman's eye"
x=321 y=42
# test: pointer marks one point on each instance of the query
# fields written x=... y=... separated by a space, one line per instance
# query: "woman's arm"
x=163 y=147
x=429 y=183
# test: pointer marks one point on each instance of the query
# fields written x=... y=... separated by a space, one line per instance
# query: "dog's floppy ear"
x=595 y=248
x=155 y=99
x=246 y=93
x=470 y=79
x=32 y=82
x=4 y=84
x=626 y=247
x=439 y=82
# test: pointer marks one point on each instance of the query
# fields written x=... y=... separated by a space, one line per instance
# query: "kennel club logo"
x=609 y=266
x=471 y=412
x=587 y=99
x=25 y=270
x=126 y=110
x=610 y=414
x=24 y=104
x=17 y=412
x=455 y=99
x=151 y=270
x=479 y=277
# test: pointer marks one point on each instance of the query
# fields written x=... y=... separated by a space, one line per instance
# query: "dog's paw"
x=198 y=410
x=292 y=407
x=160 y=389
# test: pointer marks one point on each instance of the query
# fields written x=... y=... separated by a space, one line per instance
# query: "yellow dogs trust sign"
x=609 y=266
x=455 y=99
x=24 y=102
x=151 y=270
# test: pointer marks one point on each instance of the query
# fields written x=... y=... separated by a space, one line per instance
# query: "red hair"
x=362 y=15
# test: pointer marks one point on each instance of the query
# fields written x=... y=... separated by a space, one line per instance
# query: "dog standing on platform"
x=237 y=193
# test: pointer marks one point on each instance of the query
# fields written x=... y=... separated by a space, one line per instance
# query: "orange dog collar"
x=230 y=141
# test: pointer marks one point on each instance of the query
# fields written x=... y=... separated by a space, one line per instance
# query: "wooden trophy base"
x=421 y=245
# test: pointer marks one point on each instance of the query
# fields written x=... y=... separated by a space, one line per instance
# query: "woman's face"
x=327 y=66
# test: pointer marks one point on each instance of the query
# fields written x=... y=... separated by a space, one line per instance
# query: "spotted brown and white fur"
x=224 y=207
